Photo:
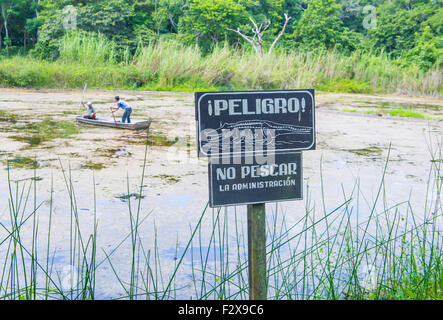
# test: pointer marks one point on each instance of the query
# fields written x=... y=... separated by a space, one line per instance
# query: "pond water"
x=86 y=173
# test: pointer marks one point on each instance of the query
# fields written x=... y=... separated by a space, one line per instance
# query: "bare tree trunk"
x=5 y=16
x=287 y=18
x=1 y=37
x=5 y=20
x=36 y=8
x=173 y=24
x=256 y=40
x=5 y=25
x=6 y=29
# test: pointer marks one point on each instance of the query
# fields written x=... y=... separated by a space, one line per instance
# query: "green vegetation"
x=161 y=141
x=170 y=66
x=406 y=113
x=189 y=45
x=372 y=150
x=107 y=153
x=93 y=165
x=69 y=113
x=347 y=86
x=357 y=250
x=126 y=197
x=87 y=49
x=32 y=141
x=35 y=133
x=21 y=163
x=396 y=112
x=167 y=178
x=8 y=117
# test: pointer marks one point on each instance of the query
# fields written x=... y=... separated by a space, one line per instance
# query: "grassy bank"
x=173 y=67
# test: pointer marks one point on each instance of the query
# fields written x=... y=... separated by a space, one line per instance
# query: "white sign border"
x=211 y=187
x=255 y=92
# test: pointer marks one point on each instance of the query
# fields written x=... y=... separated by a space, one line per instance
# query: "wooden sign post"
x=258 y=286
x=264 y=131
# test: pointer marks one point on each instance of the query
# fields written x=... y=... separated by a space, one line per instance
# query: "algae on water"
x=167 y=178
x=368 y=151
x=36 y=133
x=93 y=165
x=21 y=163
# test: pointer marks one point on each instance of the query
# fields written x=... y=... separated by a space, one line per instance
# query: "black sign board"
x=234 y=184
x=282 y=121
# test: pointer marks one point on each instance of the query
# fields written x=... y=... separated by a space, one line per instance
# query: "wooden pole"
x=257 y=251
x=115 y=121
x=83 y=97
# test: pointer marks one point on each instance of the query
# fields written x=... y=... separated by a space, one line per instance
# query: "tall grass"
x=168 y=65
x=87 y=49
x=360 y=249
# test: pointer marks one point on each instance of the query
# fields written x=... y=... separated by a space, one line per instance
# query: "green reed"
x=390 y=252
x=169 y=65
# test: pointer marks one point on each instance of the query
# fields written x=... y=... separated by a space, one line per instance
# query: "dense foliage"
x=336 y=45
x=409 y=29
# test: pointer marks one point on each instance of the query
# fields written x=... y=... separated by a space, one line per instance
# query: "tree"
x=401 y=22
x=176 y=10
x=256 y=40
x=408 y=30
x=428 y=50
x=321 y=27
x=354 y=12
x=6 y=10
x=112 y=18
x=206 y=21
x=159 y=16
x=13 y=17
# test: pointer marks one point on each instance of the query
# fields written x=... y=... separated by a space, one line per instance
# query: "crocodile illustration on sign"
x=279 y=129
x=280 y=121
x=269 y=133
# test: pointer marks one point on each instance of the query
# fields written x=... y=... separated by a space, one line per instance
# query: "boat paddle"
x=115 y=121
x=83 y=97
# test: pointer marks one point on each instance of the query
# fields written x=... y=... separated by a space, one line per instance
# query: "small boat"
x=110 y=122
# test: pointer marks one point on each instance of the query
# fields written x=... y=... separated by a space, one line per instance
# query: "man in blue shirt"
x=125 y=107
